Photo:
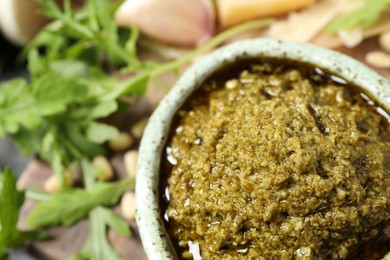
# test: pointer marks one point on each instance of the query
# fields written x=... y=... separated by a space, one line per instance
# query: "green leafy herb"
x=90 y=34
x=58 y=114
x=97 y=245
x=363 y=17
x=69 y=206
x=23 y=106
x=11 y=200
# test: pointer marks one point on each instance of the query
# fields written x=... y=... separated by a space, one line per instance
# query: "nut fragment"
x=130 y=159
x=105 y=172
x=351 y=38
x=231 y=84
x=378 y=59
x=52 y=184
x=122 y=142
x=138 y=128
x=128 y=205
x=384 y=41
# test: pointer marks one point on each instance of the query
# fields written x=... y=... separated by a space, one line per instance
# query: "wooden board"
x=63 y=242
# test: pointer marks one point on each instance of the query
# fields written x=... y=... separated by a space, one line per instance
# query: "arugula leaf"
x=10 y=202
x=69 y=206
x=14 y=97
x=100 y=133
x=93 y=33
x=56 y=115
x=97 y=245
x=363 y=17
x=21 y=105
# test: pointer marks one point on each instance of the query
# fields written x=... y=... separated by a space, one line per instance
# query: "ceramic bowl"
x=154 y=237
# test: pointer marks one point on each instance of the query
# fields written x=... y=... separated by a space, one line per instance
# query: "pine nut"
x=138 y=128
x=105 y=171
x=122 y=142
x=378 y=59
x=52 y=184
x=231 y=84
x=128 y=205
x=130 y=159
x=351 y=38
x=384 y=41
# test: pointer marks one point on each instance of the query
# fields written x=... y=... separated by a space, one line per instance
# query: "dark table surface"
x=9 y=155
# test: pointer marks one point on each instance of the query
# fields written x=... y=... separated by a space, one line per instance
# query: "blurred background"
x=10 y=156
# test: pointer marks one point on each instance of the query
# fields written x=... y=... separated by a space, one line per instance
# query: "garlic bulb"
x=19 y=21
x=185 y=23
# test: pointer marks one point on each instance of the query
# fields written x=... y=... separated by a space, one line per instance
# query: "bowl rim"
x=154 y=237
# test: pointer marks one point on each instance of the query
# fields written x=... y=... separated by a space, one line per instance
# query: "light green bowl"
x=154 y=237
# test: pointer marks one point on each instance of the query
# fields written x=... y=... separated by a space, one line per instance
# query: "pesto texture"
x=278 y=163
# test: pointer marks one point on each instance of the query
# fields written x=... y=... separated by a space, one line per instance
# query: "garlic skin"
x=19 y=21
x=184 y=23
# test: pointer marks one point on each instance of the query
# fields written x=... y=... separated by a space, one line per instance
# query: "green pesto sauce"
x=270 y=161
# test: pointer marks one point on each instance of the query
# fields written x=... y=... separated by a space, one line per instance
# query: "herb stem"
x=36 y=195
x=114 y=49
x=214 y=42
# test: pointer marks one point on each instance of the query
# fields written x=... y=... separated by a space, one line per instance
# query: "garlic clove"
x=19 y=21
x=185 y=23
